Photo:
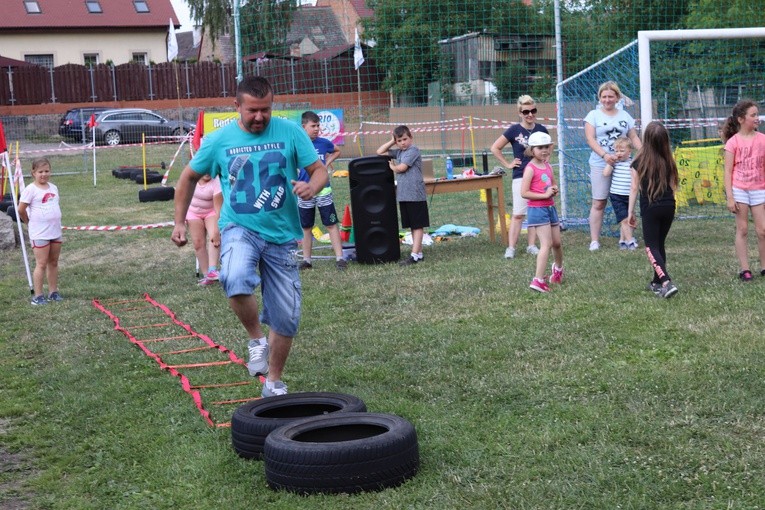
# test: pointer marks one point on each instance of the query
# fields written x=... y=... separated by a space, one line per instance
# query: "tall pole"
x=237 y=43
x=361 y=116
x=558 y=98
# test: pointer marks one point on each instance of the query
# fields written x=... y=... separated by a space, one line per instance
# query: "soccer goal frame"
x=644 y=54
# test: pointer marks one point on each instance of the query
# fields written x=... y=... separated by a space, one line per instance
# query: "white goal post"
x=644 y=54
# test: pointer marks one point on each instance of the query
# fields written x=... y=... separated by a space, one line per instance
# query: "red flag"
x=3 y=145
x=92 y=121
x=199 y=131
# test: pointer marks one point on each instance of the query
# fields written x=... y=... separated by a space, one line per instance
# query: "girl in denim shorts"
x=539 y=188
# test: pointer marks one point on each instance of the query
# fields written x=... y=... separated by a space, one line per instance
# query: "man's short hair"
x=309 y=116
x=255 y=86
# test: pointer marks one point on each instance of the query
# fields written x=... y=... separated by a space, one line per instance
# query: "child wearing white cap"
x=539 y=188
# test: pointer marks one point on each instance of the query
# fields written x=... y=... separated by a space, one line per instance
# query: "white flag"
x=172 y=43
x=358 y=55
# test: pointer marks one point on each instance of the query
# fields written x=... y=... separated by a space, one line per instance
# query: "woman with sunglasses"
x=602 y=127
x=518 y=136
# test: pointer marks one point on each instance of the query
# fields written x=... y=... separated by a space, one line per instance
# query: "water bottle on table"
x=449 y=168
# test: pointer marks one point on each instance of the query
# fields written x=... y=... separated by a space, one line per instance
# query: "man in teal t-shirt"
x=257 y=159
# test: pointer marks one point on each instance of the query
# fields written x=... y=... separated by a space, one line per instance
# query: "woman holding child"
x=602 y=126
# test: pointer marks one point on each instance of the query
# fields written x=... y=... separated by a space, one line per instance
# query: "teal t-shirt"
x=255 y=172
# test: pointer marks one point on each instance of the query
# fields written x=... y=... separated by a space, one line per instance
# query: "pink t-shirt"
x=748 y=161
x=543 y=179
x=44 y=212
x=202 y=201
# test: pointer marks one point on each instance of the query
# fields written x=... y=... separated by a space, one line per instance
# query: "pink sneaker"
x=204 y=282
x=557 y=274
x=212 y=275
x=539 y=285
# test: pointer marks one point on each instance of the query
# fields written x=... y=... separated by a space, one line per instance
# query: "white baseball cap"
x=539 y=139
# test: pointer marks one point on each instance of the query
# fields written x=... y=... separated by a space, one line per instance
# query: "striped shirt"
x=621 y=178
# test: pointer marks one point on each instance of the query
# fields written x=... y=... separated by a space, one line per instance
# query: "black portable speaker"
x=373 y=209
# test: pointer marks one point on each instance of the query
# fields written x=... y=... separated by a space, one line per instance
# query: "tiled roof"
x=362 y=9
x=10 y=62
x=73 y=14
x=318 y=24
x=186 y=48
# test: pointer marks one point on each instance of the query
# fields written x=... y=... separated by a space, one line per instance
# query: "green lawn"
x=598 y=395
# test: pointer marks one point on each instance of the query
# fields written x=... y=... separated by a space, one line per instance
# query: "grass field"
x=598 y=395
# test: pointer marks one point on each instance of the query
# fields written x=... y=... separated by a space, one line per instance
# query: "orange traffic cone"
x=345 y=226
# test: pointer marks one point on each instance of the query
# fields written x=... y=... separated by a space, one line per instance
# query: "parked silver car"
x=126 y=125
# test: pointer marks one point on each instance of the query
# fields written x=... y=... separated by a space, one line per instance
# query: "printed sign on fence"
x=700 y=171
x=332 y=123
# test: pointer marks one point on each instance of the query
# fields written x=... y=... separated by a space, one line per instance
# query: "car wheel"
x=341 y=453
x=253 y=421
x=180 y=132
x=158 y=194
x=112 y=137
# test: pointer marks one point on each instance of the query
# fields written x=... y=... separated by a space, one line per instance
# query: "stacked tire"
x=325 y=443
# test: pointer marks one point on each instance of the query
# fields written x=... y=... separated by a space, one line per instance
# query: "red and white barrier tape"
x=89 y=147
x=111 y=228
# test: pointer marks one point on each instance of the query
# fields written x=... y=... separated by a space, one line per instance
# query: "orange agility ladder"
x=184 y=353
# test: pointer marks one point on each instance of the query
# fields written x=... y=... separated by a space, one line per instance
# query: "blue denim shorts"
x=536 y=216
x=242 y=252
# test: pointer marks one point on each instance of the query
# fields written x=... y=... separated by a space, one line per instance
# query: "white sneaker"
x=279 y=388
x=532 y=250
x=258 y=364
x=594 y=246
x=510 y=253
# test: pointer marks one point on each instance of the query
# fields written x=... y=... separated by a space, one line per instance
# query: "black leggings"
x=657 y=219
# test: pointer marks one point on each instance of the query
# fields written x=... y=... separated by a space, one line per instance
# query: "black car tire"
x=158 y=194
x=151 y=178
x=124 y=172
x=252 y=422
x=112 y=137
x=341 y=453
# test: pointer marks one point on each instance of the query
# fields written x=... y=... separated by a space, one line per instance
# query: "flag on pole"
x=92 y=121
x=3 y=159
x=358 y=55
x=3 y=145
x=199 y=131
x=172 y=43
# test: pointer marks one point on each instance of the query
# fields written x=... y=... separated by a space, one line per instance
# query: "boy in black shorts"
x=410 y=188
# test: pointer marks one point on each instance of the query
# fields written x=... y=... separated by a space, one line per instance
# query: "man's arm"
x=184 y=190
x=319 y=179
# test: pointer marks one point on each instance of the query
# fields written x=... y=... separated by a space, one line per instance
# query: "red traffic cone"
x=345 y=226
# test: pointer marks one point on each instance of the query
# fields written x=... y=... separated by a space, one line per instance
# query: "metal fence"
x=73 y=83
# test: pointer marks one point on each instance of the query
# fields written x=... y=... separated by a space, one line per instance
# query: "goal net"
x=687 y=79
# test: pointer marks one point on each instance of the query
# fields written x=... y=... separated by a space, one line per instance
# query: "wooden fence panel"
x=31 y=85
x=74 y=83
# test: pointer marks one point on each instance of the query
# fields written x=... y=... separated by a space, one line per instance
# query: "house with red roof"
x=58 y=32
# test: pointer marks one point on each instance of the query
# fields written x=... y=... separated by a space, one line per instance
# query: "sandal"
x=745 y=275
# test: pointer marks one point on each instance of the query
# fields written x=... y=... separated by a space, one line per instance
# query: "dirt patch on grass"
x=15 y=469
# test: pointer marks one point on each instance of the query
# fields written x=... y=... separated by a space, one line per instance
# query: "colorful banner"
x=332 y=123
x=701 y=172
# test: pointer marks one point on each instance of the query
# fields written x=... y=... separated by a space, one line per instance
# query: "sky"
x=182 y=11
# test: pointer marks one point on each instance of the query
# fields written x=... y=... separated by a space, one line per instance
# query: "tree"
x=407 y=35
x=263 y=23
